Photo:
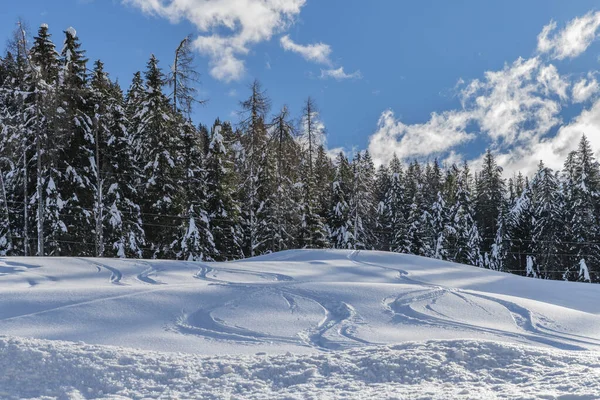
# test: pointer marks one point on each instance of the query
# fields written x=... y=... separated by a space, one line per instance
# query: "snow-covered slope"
x=298 y=301
x=296 y=325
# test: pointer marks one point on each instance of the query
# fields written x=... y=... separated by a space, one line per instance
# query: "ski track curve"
x=334 y=331
x=268 y=276
x=145 y=275
x=403 y=312
x=32 y=277
x=521 y=315
x=337 y=330
x=115 y=274
x=524 y=320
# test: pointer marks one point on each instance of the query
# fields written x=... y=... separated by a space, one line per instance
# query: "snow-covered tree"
x=339 y=221
x=223 y=208
x=197 y=242
x=362 y=204
x=119 y=230
x=285 y=194
x=162 y=197
x=395 y=205
x=548 y=223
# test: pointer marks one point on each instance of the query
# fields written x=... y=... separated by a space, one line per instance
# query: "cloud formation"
x=318 y=53
x=339 y=74
x=246 y=22
x=516 y=111
x=573 y=40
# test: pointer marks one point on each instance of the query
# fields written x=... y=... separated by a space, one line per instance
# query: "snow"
x=437 y=369
x=71 y=31
x=296 y=324
x=584 y=273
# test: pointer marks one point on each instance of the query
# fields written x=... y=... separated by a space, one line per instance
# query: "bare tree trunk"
x=99 y=195
x=22 y=48
x=39 y=184
x=7 y=212
x=26 y=203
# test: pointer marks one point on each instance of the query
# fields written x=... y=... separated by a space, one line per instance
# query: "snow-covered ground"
x=295 y=324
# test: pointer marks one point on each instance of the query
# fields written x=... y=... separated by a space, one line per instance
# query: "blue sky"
x=400 y=62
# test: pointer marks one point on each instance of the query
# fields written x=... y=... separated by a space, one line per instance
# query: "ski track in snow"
x=145 y=276
x=342 y=312
x=317 y=296
x=115 y=274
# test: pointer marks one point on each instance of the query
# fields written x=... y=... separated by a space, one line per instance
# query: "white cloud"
x=554 y=150
x=573 y=40
x=516 y=106
x=517 y=103
x=584 y=89
x=318 y=52
x=247 y=22
x=439 y=134
x=339 y=74
x=515 y=111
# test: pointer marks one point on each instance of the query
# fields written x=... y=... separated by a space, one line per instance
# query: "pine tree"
x=548 y=223
x=223 y=208
x=464 y=240
x=582 y=186
x=119 y=229
x=183 y=77
x=285 y=196
x=75 y=165
x=382 y=236
x=197 y=243
x=339 y=221
x=40 y=114
x=16 y=151
x=395 y=206
x=489 y=201
x=257 y=209
x=313 y=169
x=520 y=228
x=162 y=197
x=362 y=204
x=133 y=112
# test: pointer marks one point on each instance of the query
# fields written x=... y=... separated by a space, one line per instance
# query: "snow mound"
x=444 y=369
x=71 y=31
x=296 y=301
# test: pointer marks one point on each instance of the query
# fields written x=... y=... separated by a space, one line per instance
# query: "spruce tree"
x=257 y=171
x=223 y=208
x=41 y=116
x=197 y=243
x=119 y=229
x=395 y=206
x=162 y=197
x=582 y=187
x=489 y=201
x=362 y=204
x=75 y=165
x=285 y=196
x=382 y=236
x=339 y=221
x=313 y=169
x=548 y=223
x=464 y=240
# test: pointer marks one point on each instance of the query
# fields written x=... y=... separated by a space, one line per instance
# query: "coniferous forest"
x=90 y=168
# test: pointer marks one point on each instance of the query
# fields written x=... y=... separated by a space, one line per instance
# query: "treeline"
x=88 y=170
